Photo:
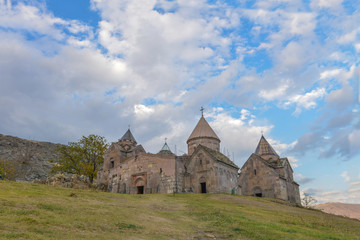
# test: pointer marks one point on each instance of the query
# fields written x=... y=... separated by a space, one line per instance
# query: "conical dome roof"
x=165 y=150
x=128 y=136
x=203 y=130
x=264 y=148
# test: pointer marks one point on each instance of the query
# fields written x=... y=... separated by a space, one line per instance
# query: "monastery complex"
x=128 y=168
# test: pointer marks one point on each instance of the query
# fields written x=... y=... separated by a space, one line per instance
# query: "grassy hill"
x=34 y=211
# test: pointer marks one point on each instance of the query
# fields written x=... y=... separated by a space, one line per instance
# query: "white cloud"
x=244 y=114
x=33 y=20
x=349 y=37
x=357 y=47
x=354 y=140
x=334 y=4
x=340 y=97
x=293 y=161
x=302 y=23
x=143 y=111
x=274 y=93
x=237 y=136
x=330 y=73
x=60 y=84
x=307 y=101
x=345 y=176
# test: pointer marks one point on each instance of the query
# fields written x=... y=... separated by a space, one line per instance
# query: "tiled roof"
x=203 y=129
x=128 y=136
x=264 y=148
x=165 y=150
x=276 y=163
x=219 y=156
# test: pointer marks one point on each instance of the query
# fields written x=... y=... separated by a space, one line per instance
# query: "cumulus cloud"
x=306 y=101
x=152 y=64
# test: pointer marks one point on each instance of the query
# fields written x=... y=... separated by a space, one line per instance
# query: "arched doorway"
x=202 y=182
x=139 y=183
x=257 y=192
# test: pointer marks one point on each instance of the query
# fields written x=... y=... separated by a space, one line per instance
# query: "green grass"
x=34 y=211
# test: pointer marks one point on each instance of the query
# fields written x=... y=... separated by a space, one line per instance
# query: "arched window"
x=112 y=163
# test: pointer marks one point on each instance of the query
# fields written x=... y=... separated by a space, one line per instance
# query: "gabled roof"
x=128 y=136
x=218 y=156
x=279 y=163
x=264 y=148
x=165 y=150
x=203 y=129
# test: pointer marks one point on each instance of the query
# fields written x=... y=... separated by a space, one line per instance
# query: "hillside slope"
x=34 y=211
x=31 y=158
x=342 y=209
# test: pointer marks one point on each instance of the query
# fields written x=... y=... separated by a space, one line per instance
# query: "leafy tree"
x=308 y=201
x=7 y=169
x=84 y=157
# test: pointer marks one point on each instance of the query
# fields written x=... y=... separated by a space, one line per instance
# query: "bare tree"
x=308 y=201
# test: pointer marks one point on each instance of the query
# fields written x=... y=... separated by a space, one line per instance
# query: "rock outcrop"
x=68 y=181
x=32 y=159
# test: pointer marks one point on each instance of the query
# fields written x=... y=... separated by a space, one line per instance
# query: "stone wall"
x=227 y=179
x=211 y=143
x=257 y=178
x=156 y=173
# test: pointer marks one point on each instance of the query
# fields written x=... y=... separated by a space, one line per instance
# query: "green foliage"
x=84 y=157
x=7 y=169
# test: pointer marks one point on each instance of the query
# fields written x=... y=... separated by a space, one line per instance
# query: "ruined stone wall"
x=155 y=172
x=182 y=174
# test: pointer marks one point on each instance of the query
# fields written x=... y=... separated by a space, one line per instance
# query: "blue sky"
x=286 y=68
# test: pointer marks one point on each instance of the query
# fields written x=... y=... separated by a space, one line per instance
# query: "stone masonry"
x=129 y=169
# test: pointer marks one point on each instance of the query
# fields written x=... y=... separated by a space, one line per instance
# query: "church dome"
x=165 y=150
x=203 y=130
x=203 y=134
x=128 y=137
x=265 y=150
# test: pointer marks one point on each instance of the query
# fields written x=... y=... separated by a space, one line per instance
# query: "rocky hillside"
x=29 y=158
x=342 y=209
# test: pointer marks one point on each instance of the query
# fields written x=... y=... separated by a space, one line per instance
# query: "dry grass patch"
x=33 y=211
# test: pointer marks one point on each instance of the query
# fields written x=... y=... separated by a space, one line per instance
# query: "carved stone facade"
x=129 y=169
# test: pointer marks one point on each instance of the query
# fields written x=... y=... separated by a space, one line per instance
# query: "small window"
x=255 y=172
x=200 y=161
x=160 y=170
x=112 y=164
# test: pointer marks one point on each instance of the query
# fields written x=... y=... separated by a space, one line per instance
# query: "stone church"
x=265 y=174
x=128 y=168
